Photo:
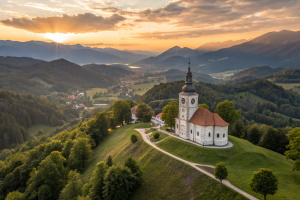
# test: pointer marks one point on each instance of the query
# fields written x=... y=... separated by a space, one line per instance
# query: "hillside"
x=253 y=73
x=275 y=49
x=214 y=46
x=241 y=161
x=176 y=75
x=20 y=112
x=163 y=177
x=74 y=53
x=45 y=77
x=269 y=104
x=112 y=71
x=21 y=61
x=285 y=76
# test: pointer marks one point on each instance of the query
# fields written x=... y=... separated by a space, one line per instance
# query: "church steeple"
x=189 y=81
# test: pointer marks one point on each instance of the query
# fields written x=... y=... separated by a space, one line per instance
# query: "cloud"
x=81 y=23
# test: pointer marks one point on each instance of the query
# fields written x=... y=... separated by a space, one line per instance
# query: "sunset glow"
x=154 y=25
x=57 y=37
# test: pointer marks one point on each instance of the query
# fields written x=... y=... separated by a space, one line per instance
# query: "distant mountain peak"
x=278 y=38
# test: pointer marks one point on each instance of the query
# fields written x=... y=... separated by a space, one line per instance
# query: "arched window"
x=191 y=131
x=218 y=135
x=197 y=133
x=209 y=134
x=177 y=126
x=223 y=134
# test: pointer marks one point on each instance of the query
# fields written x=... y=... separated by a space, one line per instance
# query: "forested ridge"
x=260 y=100
x=19 y=112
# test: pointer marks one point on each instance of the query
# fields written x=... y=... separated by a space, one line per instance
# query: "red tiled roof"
x=204 y=117
x=133 y=110
x=177 y=117
x=159 y=115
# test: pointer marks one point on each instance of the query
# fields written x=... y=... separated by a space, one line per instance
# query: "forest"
x=19 y=112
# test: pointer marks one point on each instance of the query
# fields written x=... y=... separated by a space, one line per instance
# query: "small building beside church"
x=133 y=114
x=198 y=124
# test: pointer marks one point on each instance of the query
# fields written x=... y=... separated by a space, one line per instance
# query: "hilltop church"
x=198 y=124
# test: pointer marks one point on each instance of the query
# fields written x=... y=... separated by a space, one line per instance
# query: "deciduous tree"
x=264 y=182
x=220 y=172
x=122 y=112
x=73 y=188
x=203 y=105
x=294 y=147
x=169 y=113
x=97 y=181
x=144 y=112
x=226 y=110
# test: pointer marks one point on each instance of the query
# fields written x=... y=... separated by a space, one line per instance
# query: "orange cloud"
x=81 y=23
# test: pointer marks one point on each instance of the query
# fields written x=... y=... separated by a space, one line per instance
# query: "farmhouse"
x=198 y=124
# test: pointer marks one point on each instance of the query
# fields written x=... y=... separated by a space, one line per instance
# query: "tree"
x=119 y=182
x=253 y=134
x=15 y=195
x=133 y=138
x=73 y=188
x=220 y=172
x=81 y=153
x=131 y=163
x=98 y=127
x=226 y=110
x=109 y=161
x=144 y=112
x=48 y=180
x=97 y=181
x=294 y=147
x=156 y=135
x=203 y=105
x=169 y=113
x=264 y=182
x=238 y=128
x=268 y=139
x=122 y=112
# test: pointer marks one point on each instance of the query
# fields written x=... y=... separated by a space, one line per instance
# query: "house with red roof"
x=159 y=120
x=198 y=124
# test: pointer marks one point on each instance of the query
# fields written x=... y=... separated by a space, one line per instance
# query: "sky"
x=153 y=25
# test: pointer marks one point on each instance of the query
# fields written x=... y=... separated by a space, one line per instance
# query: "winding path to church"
x=194 y=165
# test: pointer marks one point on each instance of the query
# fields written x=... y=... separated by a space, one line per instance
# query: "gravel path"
x=194 y=165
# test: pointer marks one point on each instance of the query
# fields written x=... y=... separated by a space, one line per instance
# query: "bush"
x=156 y=135
x=134 y=138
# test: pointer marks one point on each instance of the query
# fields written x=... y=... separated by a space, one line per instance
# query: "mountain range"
x=275 y=49
x=74 y=53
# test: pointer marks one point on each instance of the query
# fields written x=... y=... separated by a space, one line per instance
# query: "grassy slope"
x=288 y=86
x=33 y=130
x=241 y=160
x=163 y=177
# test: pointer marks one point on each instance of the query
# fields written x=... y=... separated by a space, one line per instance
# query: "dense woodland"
x=266 y=102
x=46 y=167
x=19 y=112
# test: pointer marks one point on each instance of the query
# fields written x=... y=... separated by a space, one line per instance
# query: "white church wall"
x=223 y=135
x=209 y=135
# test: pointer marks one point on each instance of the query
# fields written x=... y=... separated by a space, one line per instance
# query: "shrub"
x=156 y=135
x=134 y=138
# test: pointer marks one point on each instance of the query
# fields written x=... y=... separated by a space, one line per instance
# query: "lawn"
x=161 y=137
x=163 y=176
x=288 y=86
x=33 y=130
x=142 y=88
x=241 y=161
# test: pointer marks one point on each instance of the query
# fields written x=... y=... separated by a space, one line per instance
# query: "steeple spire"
x=189 y=81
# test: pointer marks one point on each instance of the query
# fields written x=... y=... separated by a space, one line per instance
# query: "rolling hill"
x=113 y=71
x=163 y=176
x=176 y=75
x=285 y=76
x=253 y=73
x=44 y=77
x=74 y=53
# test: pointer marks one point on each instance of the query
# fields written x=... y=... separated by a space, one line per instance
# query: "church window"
x=223 y=134
x=209 y=134
x=191 y=131
x=177 y=126
x=218 y=135
x=197 y=133
x=182 y=116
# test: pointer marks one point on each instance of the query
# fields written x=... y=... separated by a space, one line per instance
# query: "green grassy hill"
x=163 y=176
x=241 y=161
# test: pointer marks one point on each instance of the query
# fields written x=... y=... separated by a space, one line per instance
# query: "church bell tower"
x=188 y=104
